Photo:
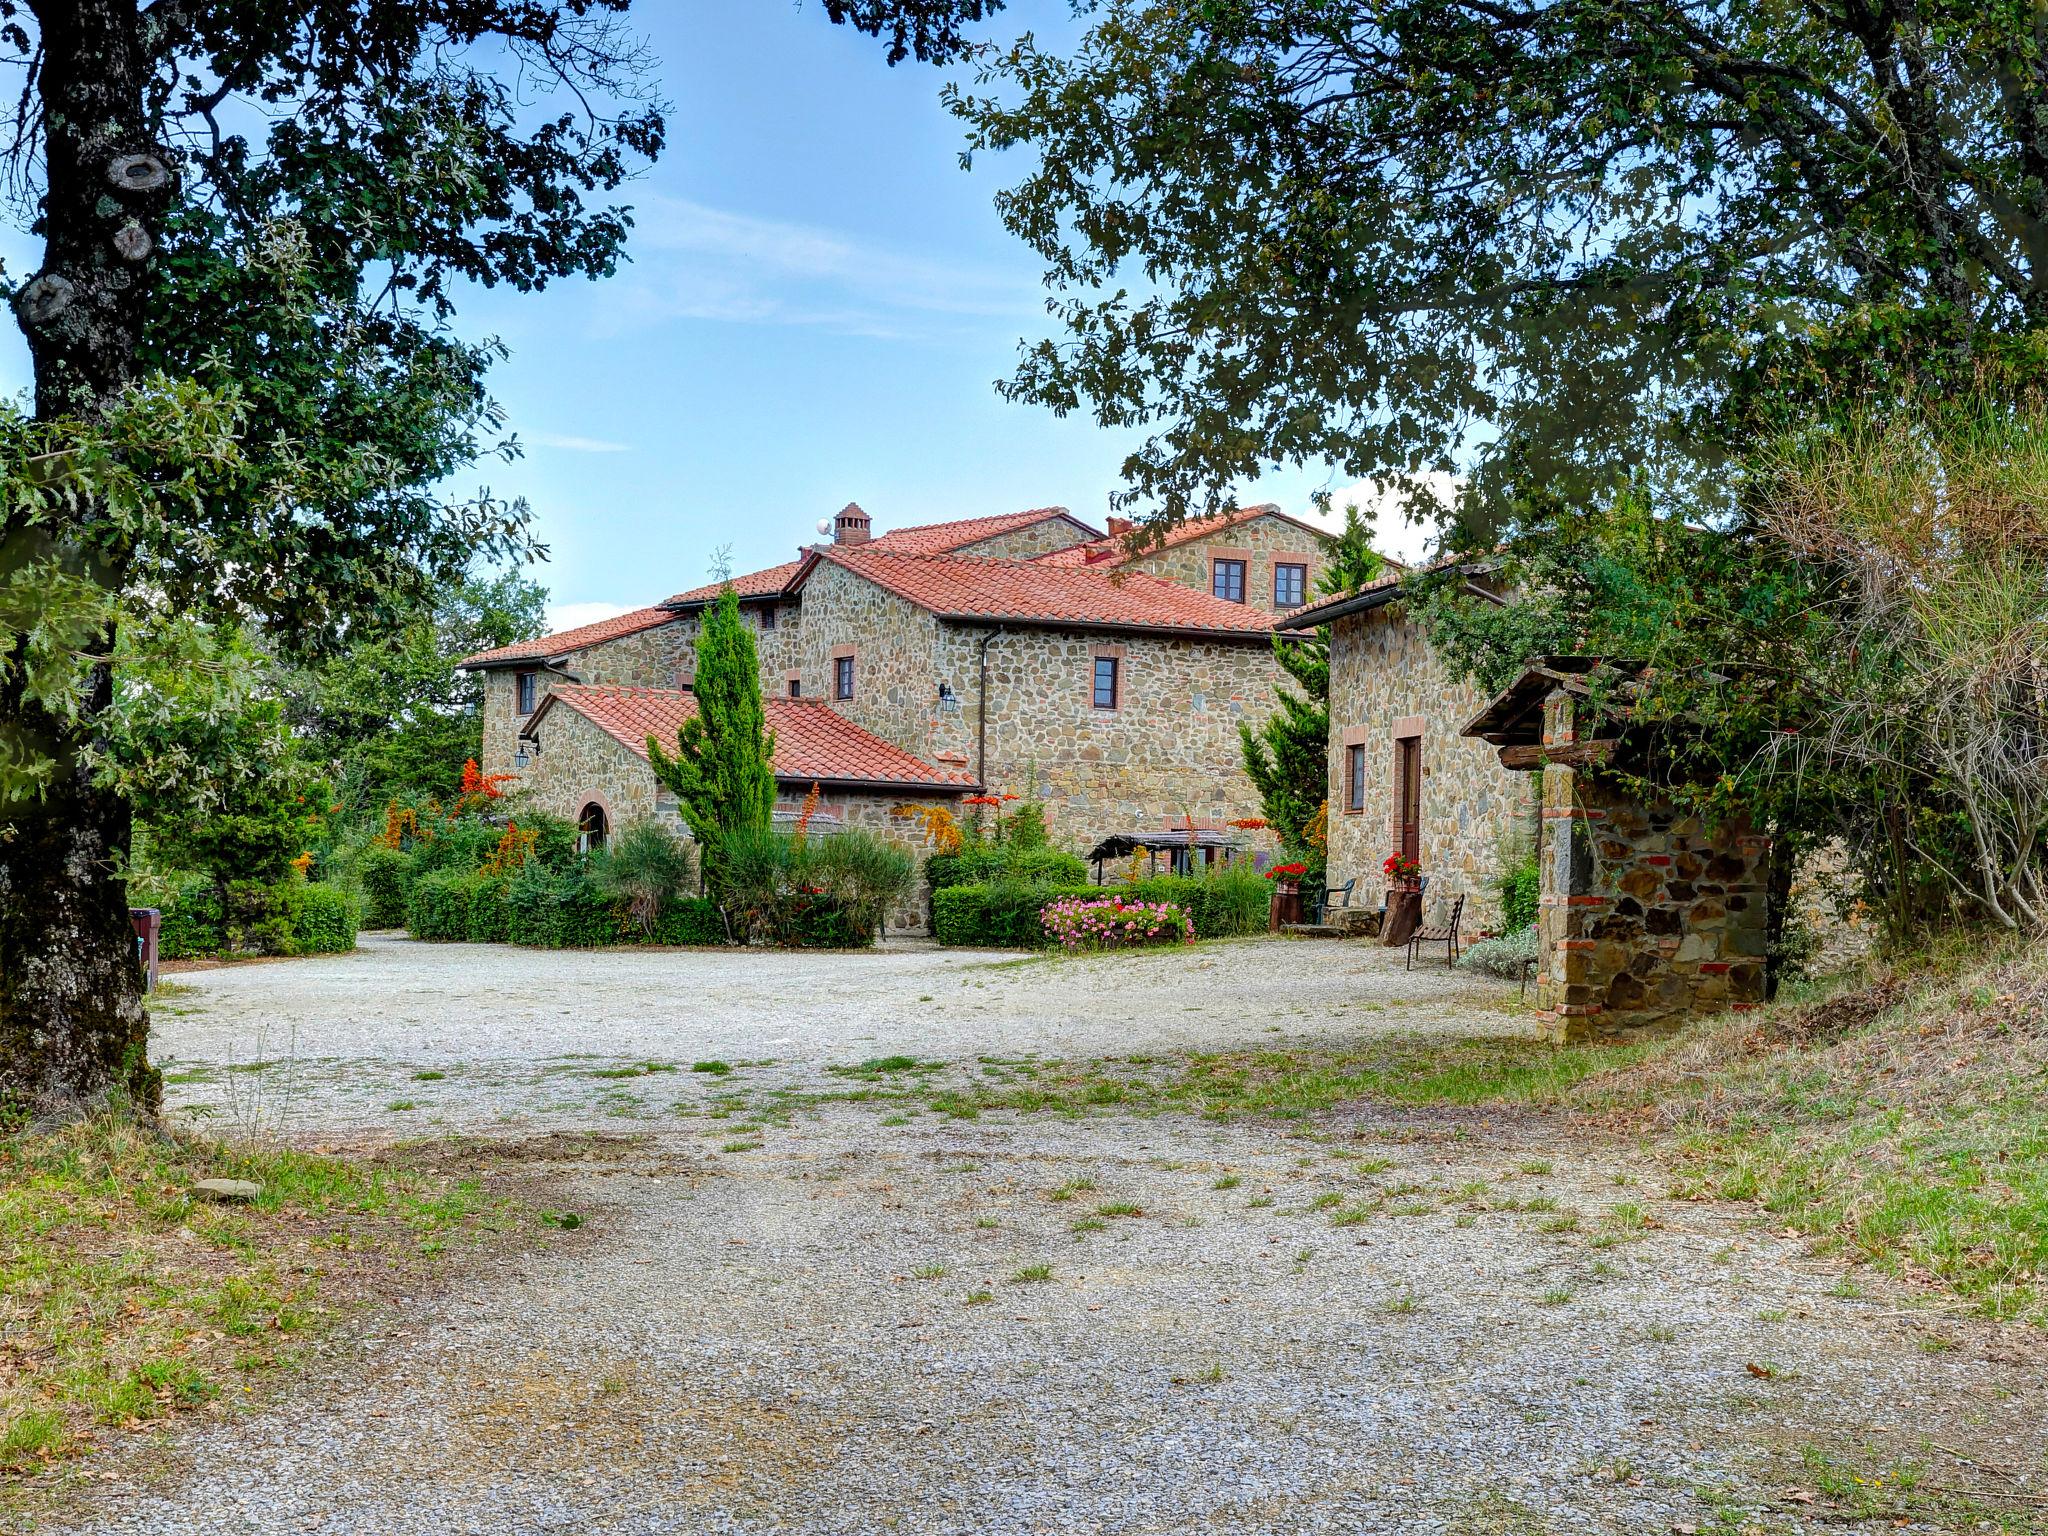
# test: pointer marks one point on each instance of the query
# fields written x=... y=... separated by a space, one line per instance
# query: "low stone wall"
x=1648 y=916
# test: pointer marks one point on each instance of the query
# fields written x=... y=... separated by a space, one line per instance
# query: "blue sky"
x=818 y=305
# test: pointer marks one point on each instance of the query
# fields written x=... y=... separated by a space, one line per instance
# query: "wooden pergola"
x=1181 y=844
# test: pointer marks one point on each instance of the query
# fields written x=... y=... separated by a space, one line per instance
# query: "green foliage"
x=1227 y=903
x=720 y=773
x=643 y=868
x=323 y=920
x=1024 y=828
x=985 y=863
x=391 y=714
x=198 y=744
x=438 y=909
x=1550 y=244
x=386 y=876
x=1287 y=757
x=1521 y=888
x=561 y=909
x=289 y=917
x=811 y=891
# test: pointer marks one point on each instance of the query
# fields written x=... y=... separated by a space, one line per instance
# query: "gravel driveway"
x=518 y=1035
x=849 y=1322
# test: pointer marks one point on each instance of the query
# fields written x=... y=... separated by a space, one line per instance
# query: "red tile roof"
x=1031 y=591
x=754 y=584
x=945 y=538
x=567 y=640
x=1114 y=550
x=814 y=743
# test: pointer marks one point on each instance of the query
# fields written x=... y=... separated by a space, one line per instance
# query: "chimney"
x=1119 y=526
x=851 y=525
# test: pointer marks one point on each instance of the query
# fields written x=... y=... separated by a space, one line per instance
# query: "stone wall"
x=1169 y=749
x=1648 y=915
x=1259 y=541
x=895 y=690
x=1022 y=543
x=1386 y=682
x=579 y=763
x=662 y=657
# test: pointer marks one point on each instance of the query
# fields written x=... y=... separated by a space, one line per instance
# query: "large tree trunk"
x=72 y=1026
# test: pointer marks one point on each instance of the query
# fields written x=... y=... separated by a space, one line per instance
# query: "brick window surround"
x=1106 y=677
x=526 y=688
x=795 y=682
x=1229 y=574
x=1353 y=786
x=842 y=671
x=1290 y=584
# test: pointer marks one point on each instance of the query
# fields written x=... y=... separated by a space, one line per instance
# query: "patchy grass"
x=1901 y=1119
x=125 y=1299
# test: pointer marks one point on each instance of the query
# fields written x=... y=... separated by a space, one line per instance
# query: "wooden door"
x=1408 y=796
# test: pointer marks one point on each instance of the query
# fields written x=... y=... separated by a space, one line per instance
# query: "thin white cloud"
x=568 y=442
x=561 y=616
x=696 y=262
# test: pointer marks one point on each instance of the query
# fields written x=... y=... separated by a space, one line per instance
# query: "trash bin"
x=148 y=923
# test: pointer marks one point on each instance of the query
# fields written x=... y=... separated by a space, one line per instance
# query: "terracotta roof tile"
x=564 y=641
x=1113 y=551
x=753 y=584
x=813 y=742
x=976 y=586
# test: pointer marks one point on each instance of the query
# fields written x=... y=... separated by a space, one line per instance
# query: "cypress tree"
x=720 y=772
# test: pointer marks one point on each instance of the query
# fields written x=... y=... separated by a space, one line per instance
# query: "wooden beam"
x=1580 y=754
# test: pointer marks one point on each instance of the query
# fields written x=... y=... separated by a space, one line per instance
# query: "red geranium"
x=1400 y=867
x=1286 y=871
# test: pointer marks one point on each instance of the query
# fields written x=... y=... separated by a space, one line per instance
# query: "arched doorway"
x=591 y=828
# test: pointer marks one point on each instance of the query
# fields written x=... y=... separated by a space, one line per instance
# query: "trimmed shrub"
x=1005 y=915
x=488 y=916
x=810 y=892
x=561 y=909
x=386 y=876
x=323 y=920
x=439 y=908
x=1005 y=863
x=1226 y=903
x=1114 y=922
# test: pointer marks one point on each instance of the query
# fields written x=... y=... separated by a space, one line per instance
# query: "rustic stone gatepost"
x=1647 y=916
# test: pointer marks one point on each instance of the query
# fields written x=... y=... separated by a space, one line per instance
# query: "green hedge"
x=1227 y=904
x=287 y=918
x=549 y=909
x=323 y=920
x=386 y=876
x=1521 y=892
x=1004 y=864
x=438 y=909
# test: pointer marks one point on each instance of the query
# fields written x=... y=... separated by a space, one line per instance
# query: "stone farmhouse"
x=1403 y=777
x=1027 y=653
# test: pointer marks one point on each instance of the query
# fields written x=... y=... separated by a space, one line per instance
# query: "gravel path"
x=518 y=1035
x=854 y=1321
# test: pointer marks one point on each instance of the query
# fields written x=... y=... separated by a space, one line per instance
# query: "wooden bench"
x=1444 y=933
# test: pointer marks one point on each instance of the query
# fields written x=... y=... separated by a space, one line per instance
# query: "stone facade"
x=1169 y=749
x=1261 y=542
x=579 y=764
x=662 y=657
x=1648 y=915
x=1039 y=538
x=891 y=642
x=1387 y=684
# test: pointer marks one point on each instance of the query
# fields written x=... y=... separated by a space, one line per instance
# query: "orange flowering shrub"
x=511 y=854
x=941 y=829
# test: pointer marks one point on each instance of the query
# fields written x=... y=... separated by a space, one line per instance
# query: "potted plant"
x=1404 y=898
x=1286 y=880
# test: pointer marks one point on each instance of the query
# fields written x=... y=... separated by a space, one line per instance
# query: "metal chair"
x=1342 y=895
x=1445 y=933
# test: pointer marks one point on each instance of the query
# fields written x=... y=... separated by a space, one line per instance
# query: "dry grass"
x=125 y=1298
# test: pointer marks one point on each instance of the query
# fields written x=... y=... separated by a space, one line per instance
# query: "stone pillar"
x=1648 y=915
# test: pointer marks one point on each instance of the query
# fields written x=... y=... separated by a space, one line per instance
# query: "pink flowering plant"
x=1077 y=923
